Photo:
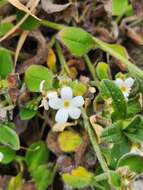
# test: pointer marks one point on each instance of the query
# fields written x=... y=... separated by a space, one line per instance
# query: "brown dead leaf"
x=51 y=60
x=97 y=128
x=138 y=7
x=81 y=149
x=60 y=127
x=20 y=43
x=49 y=7
x=65 y=163
x=52 y=143
x=20 y=6
x=29 y=186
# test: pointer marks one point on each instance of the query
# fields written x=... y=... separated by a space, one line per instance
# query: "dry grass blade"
x=21 y=7
x=19 y=46
x=9 y=19
x=34 y=5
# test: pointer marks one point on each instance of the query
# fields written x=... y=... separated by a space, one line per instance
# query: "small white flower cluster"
x=125 y=85
x=67 y=105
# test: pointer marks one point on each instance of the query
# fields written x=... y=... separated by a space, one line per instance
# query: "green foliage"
x=120 y=53
x=5 y=27
x=35 y=74
x=115 y=179
x=9 y=137
x=79 y=178
x=113 y=154
x=30 y=23
x=6 y=64
x=43 y=177
x=78 y=41
x=134 y=131
x=26 y=114
x=133 y=161
x=112 y=133
x=109 y=88
x=102 y=70
x=73 y=138
x=79 y=89
x=133 y=107
x=36 y=155
x=30 y=110
x=8 y=153
x=16 y=182
x=118 y=7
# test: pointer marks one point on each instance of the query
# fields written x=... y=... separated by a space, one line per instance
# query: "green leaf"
x=8 y=153
x=118 y=150
x=5 y=27
x=135 y=124
x=43 y=177
x=115 y=179
x=133 y=107
x=78 y=178
x=6 y=64
x=134 y=130
x=133 y=161
x=119 y=103
x=118 y=7
x=16 y=182
x=35 y=74
x=30 y=23
x=78 y=41
x=74 y=141
x=79 y=89
x=26 y=114
x=36 y=155
x=112 y=133
x=120 y=53
x=102 y=70
x=9 y=137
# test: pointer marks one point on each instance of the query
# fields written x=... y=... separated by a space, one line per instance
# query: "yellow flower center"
x=66 y=103
x=124 y=88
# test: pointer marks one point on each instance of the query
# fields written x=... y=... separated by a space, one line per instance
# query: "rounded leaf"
x=9 y=137
x=8 y=154
x=36 y=155
x=69 y=141
x=133 y=161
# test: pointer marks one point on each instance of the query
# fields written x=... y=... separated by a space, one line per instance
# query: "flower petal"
x=77 y=101
x=55 y=103
x=129 y=82
x=61 y=115
x=119 y=82
x=74 y=112
x=44 y=103
x=52 y=94
x=66 y=93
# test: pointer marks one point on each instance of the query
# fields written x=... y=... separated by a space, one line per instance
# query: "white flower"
x=48 y=95
x=1 y=156
x=67 y=105
x=125 y=85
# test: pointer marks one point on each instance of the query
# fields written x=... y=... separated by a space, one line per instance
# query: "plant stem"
x=94 y=142
x=96 y=147
x=101 y=177
x=61 y=58
x=52 y=25
x=90 y=66
x=133 y=69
